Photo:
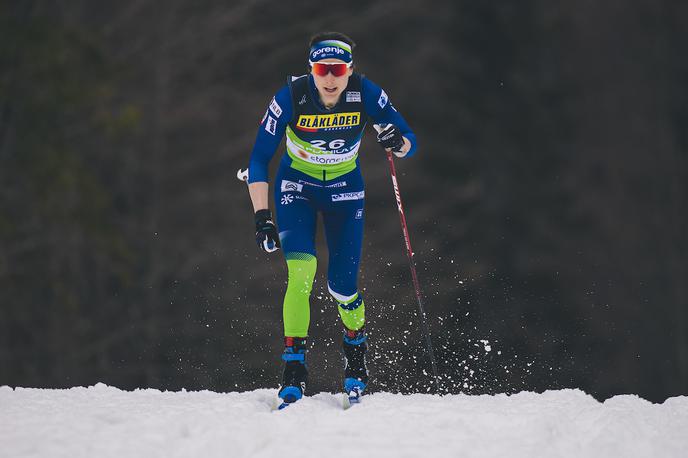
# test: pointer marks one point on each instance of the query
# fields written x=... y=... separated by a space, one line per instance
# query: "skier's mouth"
x=330 y=90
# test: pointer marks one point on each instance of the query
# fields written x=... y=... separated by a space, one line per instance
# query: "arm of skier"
x=396 y=135
x=270 y=133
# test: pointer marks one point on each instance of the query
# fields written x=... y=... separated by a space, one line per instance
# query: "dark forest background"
x=546 y=204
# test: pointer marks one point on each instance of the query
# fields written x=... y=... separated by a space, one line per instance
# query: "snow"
x=102 y=421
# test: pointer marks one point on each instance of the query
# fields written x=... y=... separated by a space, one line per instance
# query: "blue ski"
x=289 y=395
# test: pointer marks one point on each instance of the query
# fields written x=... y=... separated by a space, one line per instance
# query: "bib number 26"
x=333 y=145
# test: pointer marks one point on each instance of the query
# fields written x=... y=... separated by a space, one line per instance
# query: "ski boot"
x=295 y=375
x=355 y=370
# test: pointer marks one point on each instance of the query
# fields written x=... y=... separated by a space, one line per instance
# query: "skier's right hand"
x=266 y=232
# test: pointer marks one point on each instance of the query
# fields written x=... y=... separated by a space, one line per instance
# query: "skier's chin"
x=331 y=92
x=330 y=96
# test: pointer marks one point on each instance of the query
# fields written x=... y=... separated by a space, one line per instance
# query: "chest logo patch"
x=335 y=121
x=353 y=96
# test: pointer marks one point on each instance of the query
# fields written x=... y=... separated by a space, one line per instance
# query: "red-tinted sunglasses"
x=336 y=68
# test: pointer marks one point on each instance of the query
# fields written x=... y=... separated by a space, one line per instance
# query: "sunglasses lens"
x=338 y=69
x=321 y=69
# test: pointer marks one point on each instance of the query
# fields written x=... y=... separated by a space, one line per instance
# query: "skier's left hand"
x=390 y=138
x=266 y=232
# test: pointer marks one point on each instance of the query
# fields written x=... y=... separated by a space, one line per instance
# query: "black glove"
x=266 y=232
x=390 y=138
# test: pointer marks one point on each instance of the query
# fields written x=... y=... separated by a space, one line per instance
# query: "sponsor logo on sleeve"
x=290 y=186
x=382 y=101
x=271 y=125
x=275 y=108
x=348 y=196
x=353 y=96
x=359 y=213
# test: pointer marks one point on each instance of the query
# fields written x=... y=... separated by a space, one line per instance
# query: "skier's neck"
x=329 y=103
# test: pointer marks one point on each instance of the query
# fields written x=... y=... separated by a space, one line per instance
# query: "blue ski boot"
x=295 y=375
x=355 y=370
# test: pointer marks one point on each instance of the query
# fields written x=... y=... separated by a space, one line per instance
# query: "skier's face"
x=330 y=87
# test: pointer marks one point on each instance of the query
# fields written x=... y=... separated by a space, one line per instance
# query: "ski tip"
x=288 y=395
x=351 y=399
x=280 y=404
x=354 y=397
x=346 y=404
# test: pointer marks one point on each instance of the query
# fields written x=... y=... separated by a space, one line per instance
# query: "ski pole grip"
x=379 y=127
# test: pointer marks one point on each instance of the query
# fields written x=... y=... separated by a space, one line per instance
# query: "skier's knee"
x=301 y=271
x=351 y=309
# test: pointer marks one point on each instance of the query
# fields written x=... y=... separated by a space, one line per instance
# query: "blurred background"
x=546 y=203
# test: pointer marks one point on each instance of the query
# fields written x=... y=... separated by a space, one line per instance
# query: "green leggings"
x=296 y=310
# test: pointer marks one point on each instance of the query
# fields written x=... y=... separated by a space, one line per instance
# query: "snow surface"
x=102 y=421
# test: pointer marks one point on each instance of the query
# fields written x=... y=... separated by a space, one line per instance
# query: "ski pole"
x=412 y=263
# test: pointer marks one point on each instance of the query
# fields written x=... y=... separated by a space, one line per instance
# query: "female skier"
x=323 y=115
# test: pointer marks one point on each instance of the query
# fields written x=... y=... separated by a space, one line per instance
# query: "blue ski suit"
x=319 y=172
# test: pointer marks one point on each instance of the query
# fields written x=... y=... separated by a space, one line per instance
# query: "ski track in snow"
x=102 y=421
